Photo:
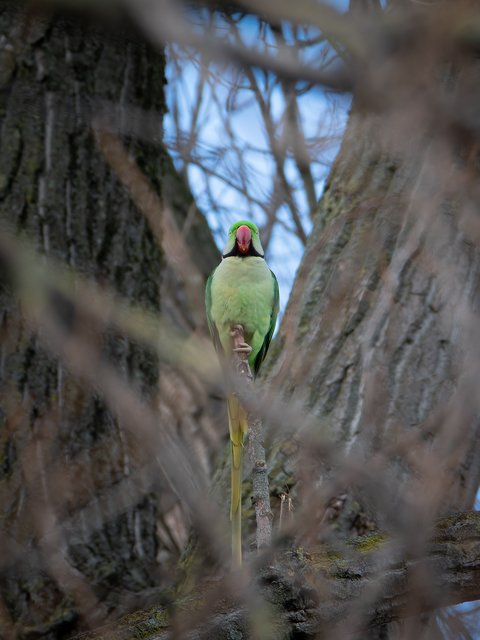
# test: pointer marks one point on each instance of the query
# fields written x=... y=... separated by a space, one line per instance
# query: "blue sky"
x=323 y=117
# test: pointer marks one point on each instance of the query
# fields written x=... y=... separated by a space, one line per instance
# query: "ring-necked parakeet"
x=241 y=291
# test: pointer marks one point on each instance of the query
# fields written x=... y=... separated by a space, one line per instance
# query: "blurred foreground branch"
x=330 y=592
x=159 y=216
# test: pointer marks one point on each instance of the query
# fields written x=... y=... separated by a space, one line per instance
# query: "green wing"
x=208 y=307
x=273 y=319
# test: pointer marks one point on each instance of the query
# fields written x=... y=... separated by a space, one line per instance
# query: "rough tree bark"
x=377 y=358
x=370 y=354
x=377 y=339
x=61 y=449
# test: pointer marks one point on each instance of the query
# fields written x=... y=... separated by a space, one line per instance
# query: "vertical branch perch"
x=256 y=450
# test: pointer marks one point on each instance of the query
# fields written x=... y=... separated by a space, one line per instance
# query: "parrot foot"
x=243 y=347
x=236 y=328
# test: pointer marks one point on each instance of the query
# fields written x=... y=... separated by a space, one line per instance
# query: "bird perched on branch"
x=241 y=292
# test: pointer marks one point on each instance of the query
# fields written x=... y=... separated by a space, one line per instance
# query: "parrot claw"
x=243 y=347
x=235 y=328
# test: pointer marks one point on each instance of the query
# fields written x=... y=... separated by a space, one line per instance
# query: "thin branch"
x=256 y=450
x=279 y=157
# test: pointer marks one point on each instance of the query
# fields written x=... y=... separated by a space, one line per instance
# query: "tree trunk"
x=370 y=341
x=61 y=450
x=378 y=339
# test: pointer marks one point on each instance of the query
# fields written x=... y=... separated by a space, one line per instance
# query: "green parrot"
x=242 y=290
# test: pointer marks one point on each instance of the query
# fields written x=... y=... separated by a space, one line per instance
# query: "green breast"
x=243 y=293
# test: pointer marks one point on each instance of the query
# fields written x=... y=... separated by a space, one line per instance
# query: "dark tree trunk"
x=61 y=449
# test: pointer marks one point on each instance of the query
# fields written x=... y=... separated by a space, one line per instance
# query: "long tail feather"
x=238 y=426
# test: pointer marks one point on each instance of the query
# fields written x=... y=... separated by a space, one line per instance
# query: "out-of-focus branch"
x=163 y=21
x=37 y=284
x=159 y=217
x=318 y=590
x=37 y=279
x=284 y=197
x=51 y=312
x=330 y=22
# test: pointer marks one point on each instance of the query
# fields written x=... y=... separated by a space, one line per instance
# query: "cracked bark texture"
x=313 y=594
x=57 y=71
x=371 y=340
x=376 y=339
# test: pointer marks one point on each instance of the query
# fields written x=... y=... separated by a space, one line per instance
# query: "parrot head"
x=243 y=240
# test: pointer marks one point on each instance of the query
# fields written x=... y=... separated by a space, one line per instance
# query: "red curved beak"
x=244 y=238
